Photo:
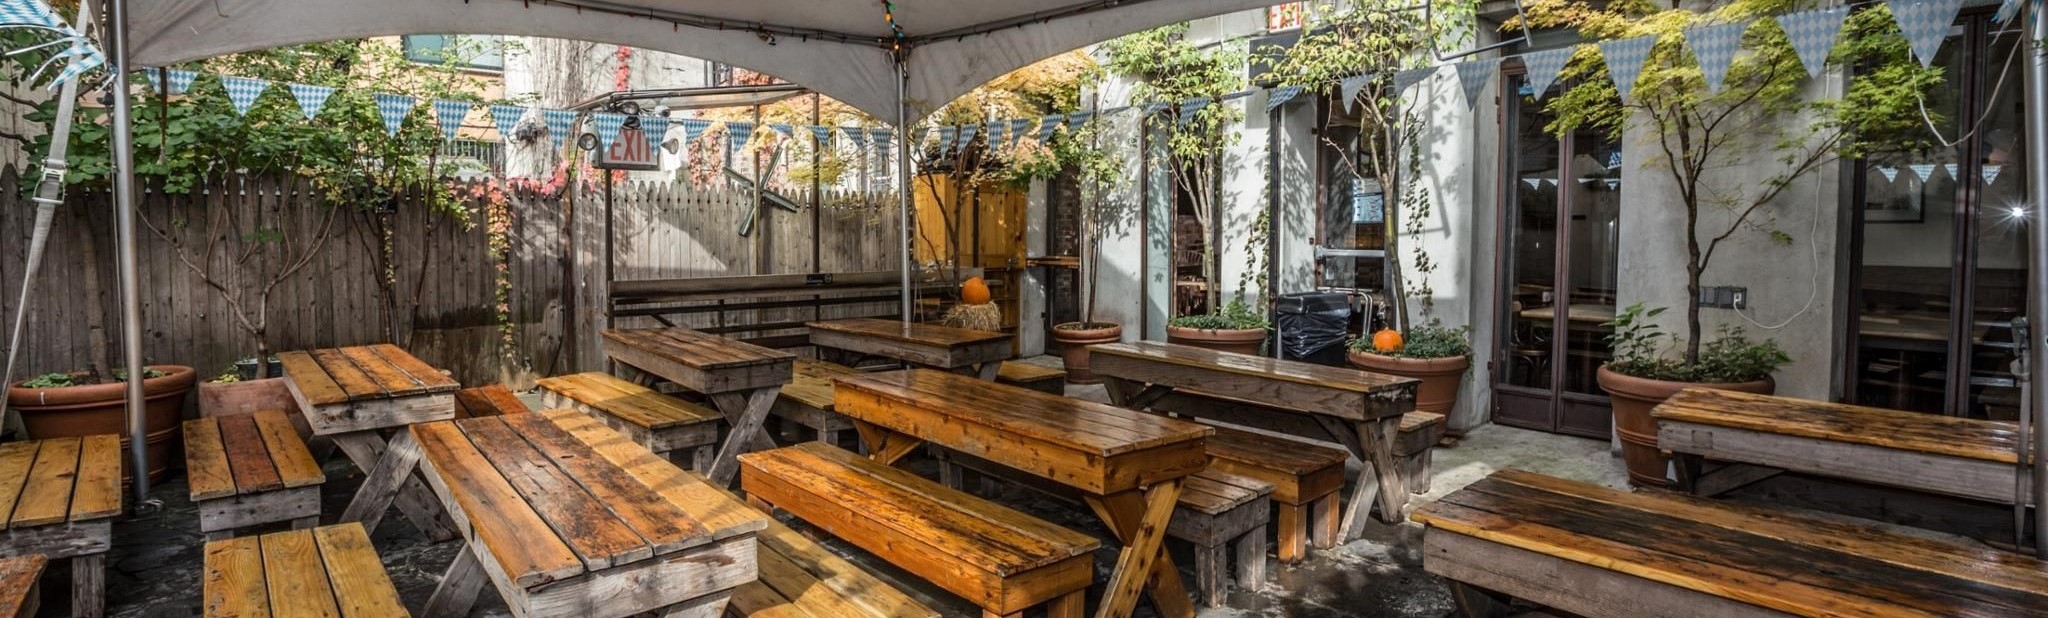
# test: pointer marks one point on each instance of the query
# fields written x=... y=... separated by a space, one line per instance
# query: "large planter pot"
x=1239 y=340
x=1633 y=398
x=1074 y=342
x=1440 y=377
x=244 y=397
x=94 y=409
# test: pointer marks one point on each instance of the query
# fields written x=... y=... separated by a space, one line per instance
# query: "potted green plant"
x=1643 y=374
x=1434 y=354
x=82 y=403
x=1237 y=328
x=237 y=391
x=1099 y=175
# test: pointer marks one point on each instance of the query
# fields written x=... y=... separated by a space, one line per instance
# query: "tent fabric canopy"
x=837 y=47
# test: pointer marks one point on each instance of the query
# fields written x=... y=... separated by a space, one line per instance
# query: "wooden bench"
x=1218 y=508
x=807 y=398
x=1305 y=478
x=999 y=559
x=1420 y=432
x=802 y=579
x=1035 y=377
x=487 y=400
x=59 y=497
x=666 y=425
x=325 y=571
x=20 y=596
x=250 y=470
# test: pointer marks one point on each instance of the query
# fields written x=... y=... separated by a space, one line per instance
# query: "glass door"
x=1561 y=218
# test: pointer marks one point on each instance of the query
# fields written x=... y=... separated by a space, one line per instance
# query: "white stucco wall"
x=1458 y=167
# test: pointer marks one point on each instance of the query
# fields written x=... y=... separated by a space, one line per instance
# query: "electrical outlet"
x=1738 y=298
x=1724 y=297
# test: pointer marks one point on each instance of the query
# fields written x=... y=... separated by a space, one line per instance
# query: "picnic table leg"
x=1139 y=518
x=883 y=445
x=458 y=589
x=745 y=416
x=1132 y=395
x=1372 y=442
x=88 y=586
x=987 y=371
x=399 y=484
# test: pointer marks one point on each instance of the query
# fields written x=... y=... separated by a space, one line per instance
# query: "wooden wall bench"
x=807 y=399
x=999 y=559
x=325 y=571
x=250 y=470
x=59 y=497
x=1922 y=452
x=1218 y=509
x=668 y=426
x=20 y=595
x=1598 y=552
x=488 y=400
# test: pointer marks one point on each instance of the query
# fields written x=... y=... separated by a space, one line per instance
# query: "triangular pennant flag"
x=821 y=136
x=1154 y=107
x=1017 y=129
x=1190 y=107
x=1238 y=95
x=311 y=98
x=181 y=80
x=858 y=135
x=1951 y=169
x=1075 y=119
x=506 y=117
x=654 y=129
x=1534 y=183
x=243 y=91
x=737 y=134
x=1890 y=173
x=785 y=130
x=967 y=133
x=1812 y=34
x=946 y=136
x=1925 y=24
x=882 y=139
x=1714 y=47
x=1349 y=87
x=1923 y=170
x=1049 y=124
x=1473 y=75
x=2006 y=10
x=920 y=135
x=79 y=58
x=693 y=128
x=1280 y=96
x=155 y=85
x=560 y=122
x=1543 y=67
x=1625 y=58
x=1410 y=77
x=994 y=131
x=393 y=109
x=1990 y=173
x=448 y=115
x=607 y=125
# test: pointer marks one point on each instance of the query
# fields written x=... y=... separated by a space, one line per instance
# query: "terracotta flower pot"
x=244 y=397
x=1239 y=340
x=1074 y=344
x=1633 y=398
x=92 y=409
x=1440 y=377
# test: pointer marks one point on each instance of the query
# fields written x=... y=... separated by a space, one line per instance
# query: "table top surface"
x=697 y=349
x=1765 y=557
x=330 y=376
x=557 y=495
x=1935 y=434
x=1261 y=367
x=325 y=571
x=60 y=480
x=918 y=333
x=1096 y=429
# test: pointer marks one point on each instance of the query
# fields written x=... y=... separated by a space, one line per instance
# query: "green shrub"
x=1640 y=346
x=1237 y=315
x=1433 y=340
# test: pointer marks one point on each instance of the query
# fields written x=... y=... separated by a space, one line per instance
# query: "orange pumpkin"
x=974 y=291
x=1387 y=340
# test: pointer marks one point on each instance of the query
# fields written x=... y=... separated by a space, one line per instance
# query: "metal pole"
x=2036 y=97
x=903 y=147
x=124 y=229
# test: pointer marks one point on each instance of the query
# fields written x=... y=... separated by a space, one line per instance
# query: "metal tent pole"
x=124 y=229
x=903 y=147
x=49 y=195
x=2036 y=96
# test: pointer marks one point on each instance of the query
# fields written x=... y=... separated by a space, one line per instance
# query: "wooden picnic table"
x=741 y=379
x=1127 y=466
x=1357 y=409
x=566 y=517
x=1600 y=552
x=351 y=395
x=58 y=499
x=1962 y=457
x=978 y=353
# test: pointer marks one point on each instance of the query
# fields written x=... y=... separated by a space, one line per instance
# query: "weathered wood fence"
x=662 y=230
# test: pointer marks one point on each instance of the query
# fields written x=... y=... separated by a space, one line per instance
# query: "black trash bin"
x=1311 y=326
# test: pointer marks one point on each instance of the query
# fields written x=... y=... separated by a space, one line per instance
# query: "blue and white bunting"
x=784 y=129
x=1990 y=173
x=1410 y=77
x=243 y=92
x=1473 y=75
x=994 y=131
x=1543 y=68
x=2006 y=11
x=1925 y=24
x=693 y=128
x=1075 y=119
x=821 y=136
x=1348 y=89
x=1191 y=107
x=967 y=133
x=737 y=134
x=1924 y=170
x=311 y=98
x=882 y=139
x=654 y=129
x=1890 y=173
x=560 y=122
x=1049 y=124
x=1625 y=58
x=1017 y=128
x=1280 y=96
x=393 y=108
x=181 y=80
x=920 y=135
x=1154 y=107
x=1714 y=47
x=448 y=116
x=858 y=135
x=506 y=117
x=1812 y=34
x=946 y=137
x=607 y=126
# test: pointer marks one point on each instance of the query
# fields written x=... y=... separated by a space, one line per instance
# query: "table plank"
x=716 y=510
x=47 y=497
x=1995 y=441
x=1097 y=429
x=361 y=587
x=696 y=349
x=319 y=388
x=430 y=378
x=1307 y=374
x=297 y=582
x=233 y=585
x=918 y=333
x=18 y=576
x=97 y=492
x=249 y=458
x=295 y=465
x=354 y=382
x=207 y=472
x=526 y=549
x=16 y=458
x=663 y=525
x=393 y=381
x=597 y=536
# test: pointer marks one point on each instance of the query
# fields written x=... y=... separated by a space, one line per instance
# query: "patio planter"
x=1440 y=377
x=244 y=397
x=1239 y=340
x=1633 y=398
x=1074 y=339
x=92 y=409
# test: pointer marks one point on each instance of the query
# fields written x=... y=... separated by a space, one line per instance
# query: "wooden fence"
x=662 y=230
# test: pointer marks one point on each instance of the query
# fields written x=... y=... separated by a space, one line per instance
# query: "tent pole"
x=2036 y=96
x=124 y=229
x=903 y=147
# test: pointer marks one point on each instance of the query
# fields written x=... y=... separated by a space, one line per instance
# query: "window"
x=463 y=50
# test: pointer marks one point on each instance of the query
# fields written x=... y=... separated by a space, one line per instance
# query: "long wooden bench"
x=250 y=470
x=997 y=558
x=488 y=400
x=1305 y=478
x=670 y=427
x=1961 y=457
x=802 y=579
x=1419 y=430
x=807 y=398
x=1597 y=552
x=1035 y=377
x=1218 y=509
x=326 y=571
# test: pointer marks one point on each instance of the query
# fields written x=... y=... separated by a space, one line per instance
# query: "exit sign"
x=631 y=151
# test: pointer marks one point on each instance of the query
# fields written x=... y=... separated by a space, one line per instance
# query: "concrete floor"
x=154 y=568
